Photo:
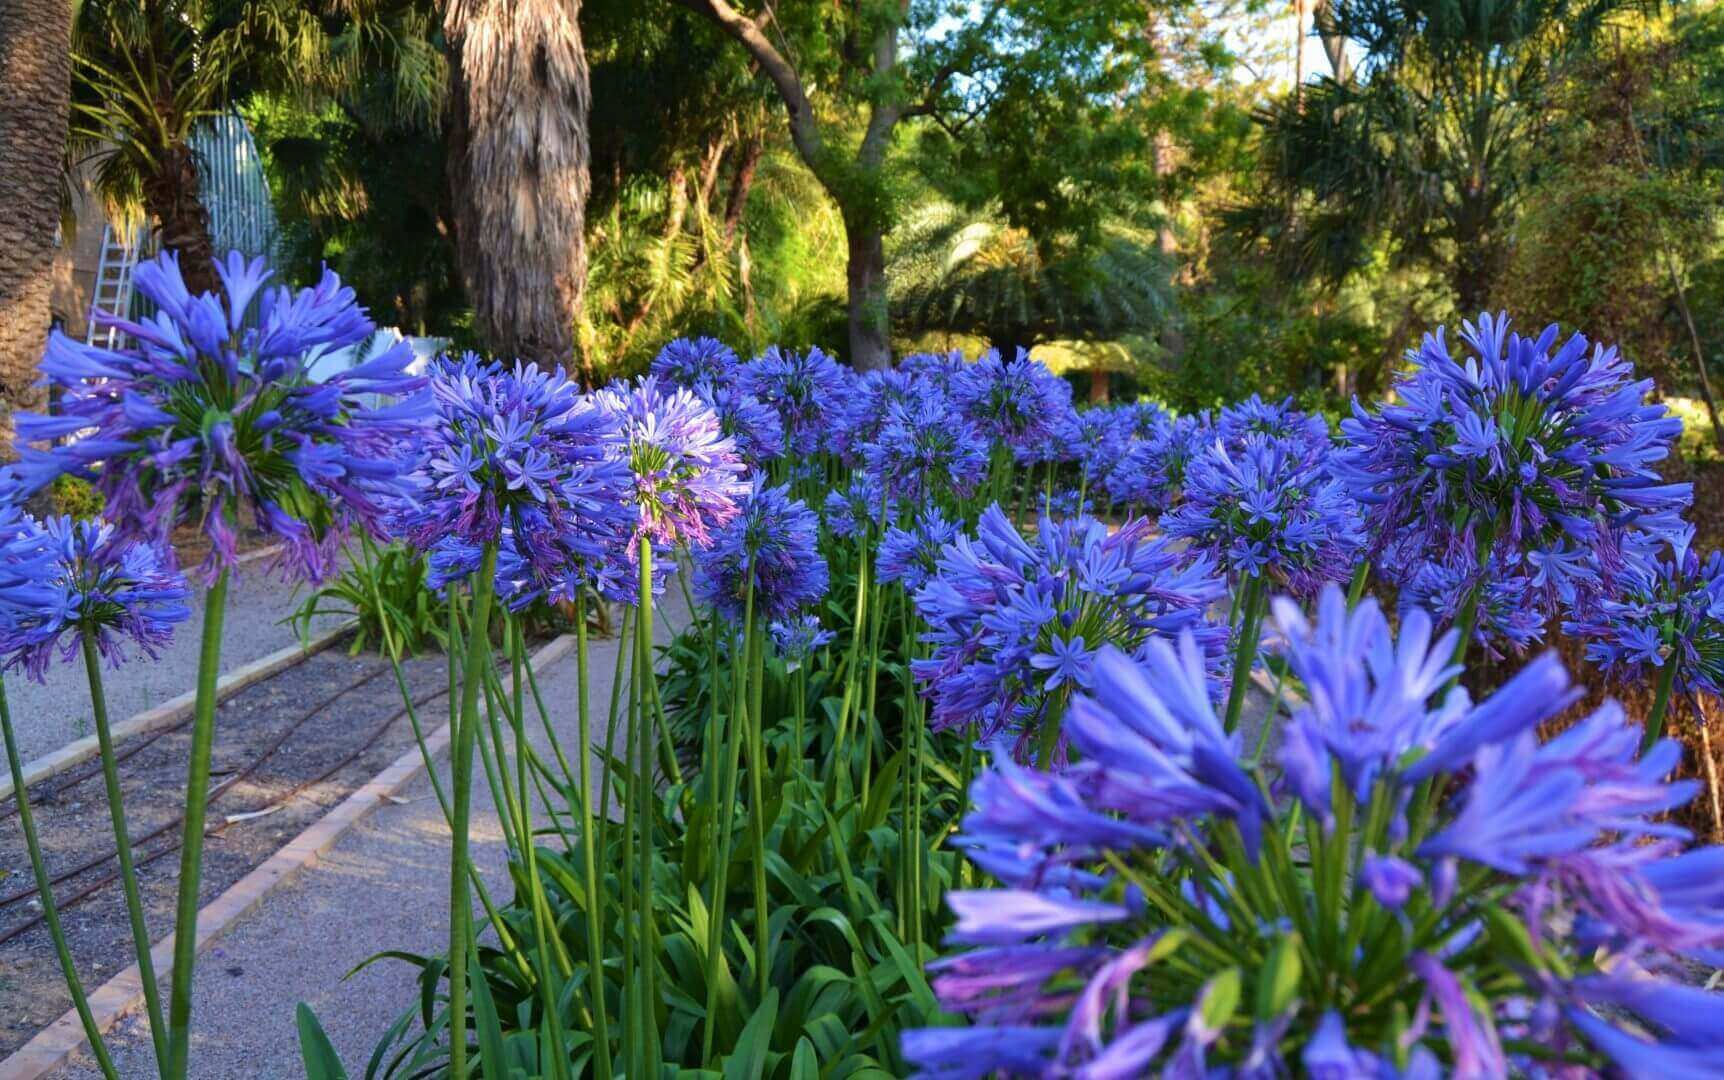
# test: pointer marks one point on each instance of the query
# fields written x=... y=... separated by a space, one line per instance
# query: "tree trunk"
x=35 y=87
x=172 y=196
x=870 y=339
x=1098 y=386
x=518 y=158
x=746 y=162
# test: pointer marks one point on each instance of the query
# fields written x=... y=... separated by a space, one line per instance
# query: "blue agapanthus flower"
x=858 y=506
x=1464 y=899
x=1269 y=510
x=688 y=478
x=1150 y=474
x=1015 y=622
x=925 y=454
x=1017 y=402
x=208 y=416
x=797 y=639
x=870 y=398
x=65 y=579
x=1305 y=434
x=807 y=390
x=1508 y=615
x=936 y=369
x=519 y=457
x=772 y=550
x=693 y=363
x=911 y=555
x=755 y=428
x=1667 y=608
x=1531 y=450
x=1099 y=437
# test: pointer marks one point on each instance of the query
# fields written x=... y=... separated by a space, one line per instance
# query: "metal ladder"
x=113 y=292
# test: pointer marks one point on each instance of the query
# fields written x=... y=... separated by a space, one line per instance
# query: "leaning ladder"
x=113 y=291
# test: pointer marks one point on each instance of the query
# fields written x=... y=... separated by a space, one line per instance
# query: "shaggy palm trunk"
x=173 y=197
x=35 y=87
x=518 y=170
x=870 y=340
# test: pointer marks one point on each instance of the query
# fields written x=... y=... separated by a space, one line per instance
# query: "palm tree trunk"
x=518 y=158
x=173 y=197
x=35 y=88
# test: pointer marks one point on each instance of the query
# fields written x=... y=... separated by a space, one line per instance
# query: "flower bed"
x=948 y=773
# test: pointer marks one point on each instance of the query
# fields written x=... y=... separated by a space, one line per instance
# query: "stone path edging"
x=178 y=708
x=55 y=1044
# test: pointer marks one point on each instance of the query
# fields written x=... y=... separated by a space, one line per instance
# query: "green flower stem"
x=192 y=836
x=589 y=858
x=725 y=814
x=1660 y=704
x=852 y=661
x=647 y=682
x=503 y=936
x=609 y=757
x=460 y=860
x=1356 y=590
x=45 y=892
x=550 y=944
x=123 y=848
x=757 y=805
x=1245 y=652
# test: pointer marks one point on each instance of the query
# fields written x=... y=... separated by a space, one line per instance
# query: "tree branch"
x=804 y=133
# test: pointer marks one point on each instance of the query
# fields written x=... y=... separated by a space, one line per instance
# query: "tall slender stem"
x=192 y=835
x=1660 y=704
x=589 y=858
x=45 y=892
x=644 y=719
x=725 y=811
x=1245 y=651
x=123 y=848
x=466 y=738
x=757 y=804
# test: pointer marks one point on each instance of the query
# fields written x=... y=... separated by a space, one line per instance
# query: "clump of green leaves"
x=386 y=589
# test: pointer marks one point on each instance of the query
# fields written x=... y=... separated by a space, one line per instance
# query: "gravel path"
x=383 y=886
x=49 y=715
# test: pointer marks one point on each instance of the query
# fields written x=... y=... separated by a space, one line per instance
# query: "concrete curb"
x=178 y=708
x=55 y=1044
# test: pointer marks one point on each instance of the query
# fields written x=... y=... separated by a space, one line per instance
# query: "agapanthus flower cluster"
x=871 y=396
x=1017 y=402
x=1099 y=437
x=1464 y=899
x=756 y=429
x=770 y=551
x=1667 y=609
x=805 y=389
x=688 y=479
x=795 y=640
x=925 y=454
x=1305 y=434
x=1150 y=475
x=1507 y=614
x=858 y=506
x=694 y=363
x=520 y=458
x=1537 y=452
x=1015 y=623
x=1269 y=510
x=937 y=369
x=910 y=555
x=64 y=580
x=210 y=416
